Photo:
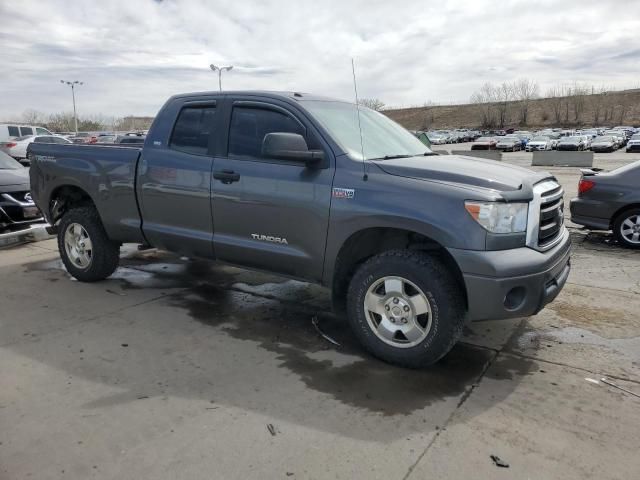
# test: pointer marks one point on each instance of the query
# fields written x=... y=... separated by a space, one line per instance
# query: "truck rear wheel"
x=406 y=308
x=86 y=251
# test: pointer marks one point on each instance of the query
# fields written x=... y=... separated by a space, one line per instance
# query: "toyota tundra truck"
x=411 y=244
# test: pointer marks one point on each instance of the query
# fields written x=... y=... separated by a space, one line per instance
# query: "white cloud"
x=133 y=54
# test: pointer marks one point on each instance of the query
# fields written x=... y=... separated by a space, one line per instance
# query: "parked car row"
x=442 y=137
x=597 y=140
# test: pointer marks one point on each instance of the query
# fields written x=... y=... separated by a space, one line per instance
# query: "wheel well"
x=66 y=197
x=620 y=210
x=364 y=244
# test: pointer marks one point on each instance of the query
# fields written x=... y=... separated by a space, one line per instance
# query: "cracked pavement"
x=178 y=368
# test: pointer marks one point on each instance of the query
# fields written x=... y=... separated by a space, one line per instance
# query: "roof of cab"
x=297 y=96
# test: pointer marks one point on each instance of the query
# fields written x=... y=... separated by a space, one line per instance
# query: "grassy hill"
x=602 y=109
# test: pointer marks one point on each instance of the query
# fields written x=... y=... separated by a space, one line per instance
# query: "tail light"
x=585 y=185
x=9 y=144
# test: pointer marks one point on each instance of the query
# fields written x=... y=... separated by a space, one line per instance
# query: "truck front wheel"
x=86 y=251
x=406 y=308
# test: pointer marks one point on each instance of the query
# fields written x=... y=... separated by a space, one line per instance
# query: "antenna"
x=355 y=89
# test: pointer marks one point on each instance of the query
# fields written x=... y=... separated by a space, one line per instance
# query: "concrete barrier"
x=562 y=159
x=488 y=154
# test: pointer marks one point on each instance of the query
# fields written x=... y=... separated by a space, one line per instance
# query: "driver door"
x=270 y=213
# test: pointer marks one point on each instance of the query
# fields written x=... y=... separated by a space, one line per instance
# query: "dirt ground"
x=176 y=368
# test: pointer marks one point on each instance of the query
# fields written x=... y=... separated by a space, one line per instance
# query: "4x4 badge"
x=343 y=192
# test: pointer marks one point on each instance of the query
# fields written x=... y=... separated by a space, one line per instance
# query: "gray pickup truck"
x=412 y=244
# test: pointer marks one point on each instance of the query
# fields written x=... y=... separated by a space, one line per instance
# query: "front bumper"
x=17 y=212
x=535 y=148
x=633 y=148
x=513 y=283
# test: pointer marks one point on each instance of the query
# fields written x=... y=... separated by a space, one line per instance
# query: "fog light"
x=514 y=298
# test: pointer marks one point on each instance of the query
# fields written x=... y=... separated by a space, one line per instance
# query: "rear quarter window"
x=193 y=129
x=13 y=131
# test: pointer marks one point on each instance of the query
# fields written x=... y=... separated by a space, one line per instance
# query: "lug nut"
x=393 y=320
x=395 y=300
x=406 y=308
x=386 y=307
x=404 y=320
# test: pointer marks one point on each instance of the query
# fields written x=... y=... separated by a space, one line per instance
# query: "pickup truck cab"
x=412 y=244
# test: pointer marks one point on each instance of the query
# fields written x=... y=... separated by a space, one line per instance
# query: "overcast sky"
x=133 y=54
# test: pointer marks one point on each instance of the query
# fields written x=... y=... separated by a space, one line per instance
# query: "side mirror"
x=290 y=146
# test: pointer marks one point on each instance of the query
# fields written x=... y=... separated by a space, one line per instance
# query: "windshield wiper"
x=392 y=157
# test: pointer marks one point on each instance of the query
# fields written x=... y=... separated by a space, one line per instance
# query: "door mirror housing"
x=290 y=146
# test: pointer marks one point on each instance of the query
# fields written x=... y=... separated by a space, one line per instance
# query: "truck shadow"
x=244 y=313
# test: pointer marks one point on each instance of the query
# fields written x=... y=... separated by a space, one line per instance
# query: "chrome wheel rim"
x=630 y=229
x=78 y=246
x=398 y=312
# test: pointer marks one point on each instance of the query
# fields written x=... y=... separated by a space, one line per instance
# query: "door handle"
x=226 y=176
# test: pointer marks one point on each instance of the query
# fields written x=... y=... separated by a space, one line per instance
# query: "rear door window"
x=249 y=125
x=193 y=129
x=26 y=131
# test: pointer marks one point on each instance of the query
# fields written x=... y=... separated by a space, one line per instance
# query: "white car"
x=9 y=131
x=634 y=143
x=587 y=141
x=17 y=148
x=539 y=143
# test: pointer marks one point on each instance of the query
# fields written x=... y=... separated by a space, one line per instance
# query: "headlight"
x=498 y=217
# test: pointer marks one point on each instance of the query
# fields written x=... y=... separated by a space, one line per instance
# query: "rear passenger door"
x=174 y=182
x=270 y=213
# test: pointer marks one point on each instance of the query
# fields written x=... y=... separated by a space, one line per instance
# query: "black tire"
x=617 y=227
x=445 y=295
x=105 y=253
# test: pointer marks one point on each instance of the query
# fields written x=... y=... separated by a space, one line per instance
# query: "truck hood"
x=14 y=177
x=464 y=171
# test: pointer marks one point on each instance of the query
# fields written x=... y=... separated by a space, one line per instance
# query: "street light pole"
x=73 y=95
x=219 y=70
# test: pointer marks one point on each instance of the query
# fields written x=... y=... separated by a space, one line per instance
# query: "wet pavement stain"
x=349 y=374
x=629 y=347
x=246 y=307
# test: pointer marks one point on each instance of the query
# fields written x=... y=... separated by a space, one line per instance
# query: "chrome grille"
x=546 y=215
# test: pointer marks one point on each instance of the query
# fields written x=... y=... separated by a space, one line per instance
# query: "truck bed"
x=106 y=174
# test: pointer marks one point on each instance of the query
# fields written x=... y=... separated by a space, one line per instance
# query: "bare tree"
x=372 y=103
x=485 y=98
x=556 y=98
x=524 y=91
x=596 y=102
x=578 y=100
x=63 y=122
x=503 y=96
x=32 y=117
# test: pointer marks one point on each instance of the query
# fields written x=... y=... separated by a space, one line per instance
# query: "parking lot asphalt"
x=179 y=368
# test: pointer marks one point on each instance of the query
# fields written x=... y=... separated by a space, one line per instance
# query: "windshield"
x=381 y=136
x=8 y=163
x=572 y=139
x=603 y=139
x=540 y=139
x=484 y=139
x=636 y=136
